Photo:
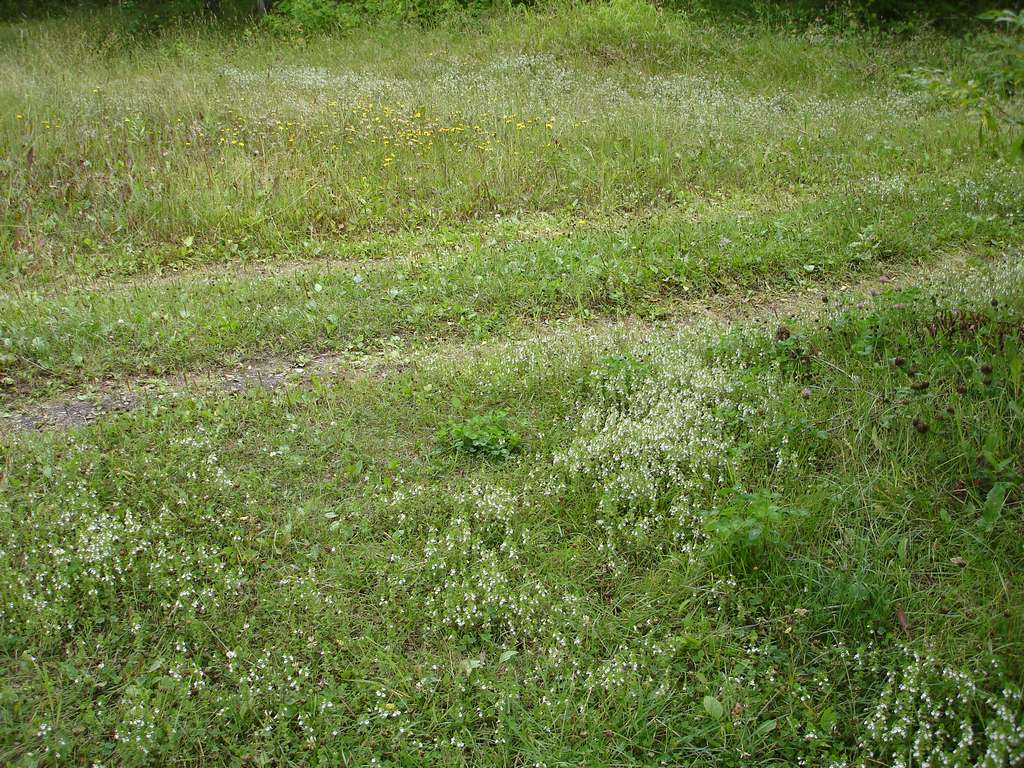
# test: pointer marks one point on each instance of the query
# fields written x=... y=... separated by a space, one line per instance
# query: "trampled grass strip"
x=75 y=409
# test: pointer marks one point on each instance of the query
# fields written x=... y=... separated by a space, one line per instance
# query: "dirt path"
x=83 y=406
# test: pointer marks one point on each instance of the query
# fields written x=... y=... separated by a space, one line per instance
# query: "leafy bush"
x=997 y=70
x=945 y=13
x=333 y=15
x=489 y=435
x=1002 y=60
x=313 y=16
x=884 y=10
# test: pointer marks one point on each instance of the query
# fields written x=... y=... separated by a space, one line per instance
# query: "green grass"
x=483 y=289
x=236 y=145
x=212 y=573
x=794 y=542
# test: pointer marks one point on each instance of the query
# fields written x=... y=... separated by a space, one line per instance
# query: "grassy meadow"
x=684 y=423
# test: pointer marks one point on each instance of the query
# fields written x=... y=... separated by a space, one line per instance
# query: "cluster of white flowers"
x=84 y=549
x=347 y=86
x=536 y=78
x=643 y=665
x=999 y=278
x=946 y=716
x=477 y=572
x=703 y=105
x=665 y=434
x=999 y=188
x=138 y=729
x=660 y=445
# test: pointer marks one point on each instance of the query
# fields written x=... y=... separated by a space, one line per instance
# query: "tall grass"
x=235 y=143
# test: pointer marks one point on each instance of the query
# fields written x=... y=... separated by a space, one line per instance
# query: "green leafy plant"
x=1013 y=20
x=1002 y=60
x=750 y=525
x=313 y=16
x=489 y=434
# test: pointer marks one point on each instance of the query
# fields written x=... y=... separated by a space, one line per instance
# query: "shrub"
x=313 y=16
x=1002 y=61
x=997 y=70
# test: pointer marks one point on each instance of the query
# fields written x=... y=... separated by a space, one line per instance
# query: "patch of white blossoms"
x=82 y=554
x=661 y=444
x=476 y=572
x=931 y=715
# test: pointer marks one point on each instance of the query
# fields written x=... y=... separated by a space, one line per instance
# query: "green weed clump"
x=488 y=434
x=750 y=526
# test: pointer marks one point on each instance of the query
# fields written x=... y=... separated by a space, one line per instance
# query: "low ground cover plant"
x=843 y=613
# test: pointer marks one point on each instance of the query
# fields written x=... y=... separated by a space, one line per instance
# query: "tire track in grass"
x=80 y=407
x=79 y=338
x=375 y=250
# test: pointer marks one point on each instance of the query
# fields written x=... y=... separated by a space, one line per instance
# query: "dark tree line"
x=950 y=13
x=261 y=7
